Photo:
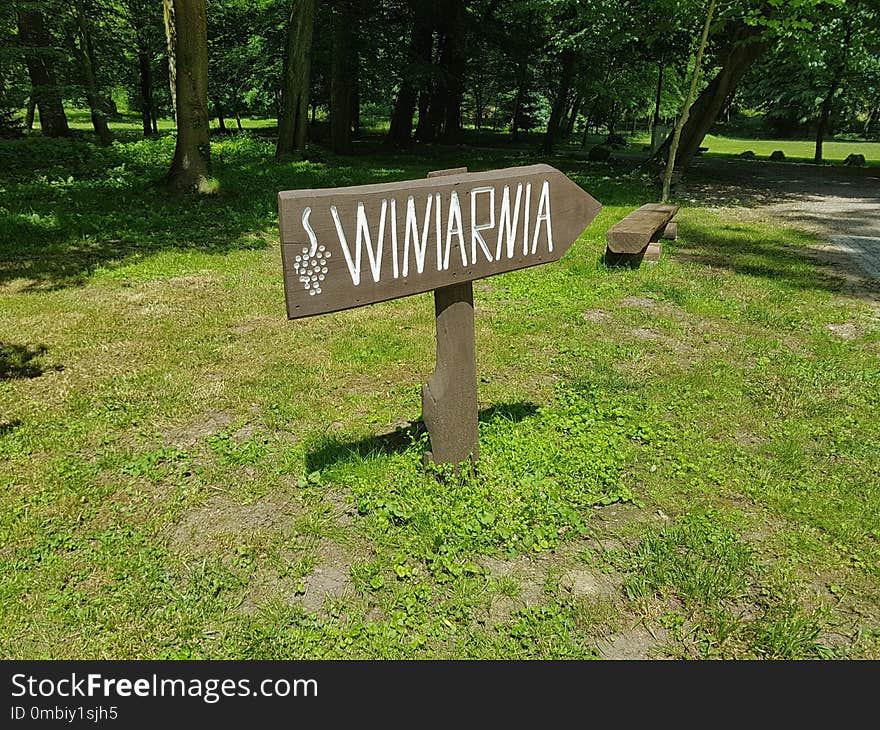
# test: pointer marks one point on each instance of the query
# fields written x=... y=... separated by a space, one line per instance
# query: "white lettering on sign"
x=506 y=224
x=417 y=233
x=412 y=227
x=476 y=236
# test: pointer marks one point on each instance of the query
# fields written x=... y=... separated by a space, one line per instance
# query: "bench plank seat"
x=639 y=228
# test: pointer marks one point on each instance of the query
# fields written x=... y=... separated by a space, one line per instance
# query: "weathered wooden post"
x=349 y=247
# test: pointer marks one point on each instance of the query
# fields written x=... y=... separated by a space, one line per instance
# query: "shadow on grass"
x=22 y=361
x=71 y=207
x=720 y=181
x=7 y=427
x=779 y=255
x=332 y=450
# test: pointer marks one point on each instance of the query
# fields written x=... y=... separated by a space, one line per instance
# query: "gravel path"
x=841 y=205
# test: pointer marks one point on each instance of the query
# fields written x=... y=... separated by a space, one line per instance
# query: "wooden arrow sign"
x=349 y=247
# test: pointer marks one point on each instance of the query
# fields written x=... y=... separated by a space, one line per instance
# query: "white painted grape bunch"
x=311 y=268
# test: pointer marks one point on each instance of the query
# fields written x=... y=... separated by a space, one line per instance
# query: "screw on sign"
x=350 y=247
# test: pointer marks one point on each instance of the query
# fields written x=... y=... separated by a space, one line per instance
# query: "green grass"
x=796 y=150
x=185 y=473
x=128 y=126
x=129 y=123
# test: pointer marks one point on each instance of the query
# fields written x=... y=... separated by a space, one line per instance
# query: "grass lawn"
x=129 y=126
x=677 y=461
x=796 y=150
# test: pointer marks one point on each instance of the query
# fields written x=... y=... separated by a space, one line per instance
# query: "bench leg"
x=629 y=260
x=670 y=233
x=653 y=251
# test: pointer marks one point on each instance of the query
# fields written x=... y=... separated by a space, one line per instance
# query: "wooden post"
x=449 y=398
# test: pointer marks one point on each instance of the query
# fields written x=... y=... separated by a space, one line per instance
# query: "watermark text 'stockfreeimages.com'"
x=94 y=685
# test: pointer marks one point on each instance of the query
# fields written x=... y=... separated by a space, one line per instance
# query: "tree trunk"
x=873 y=115
x=146 y=79
x=479 y=99
x=191 y=165
x=154 y=120
x=657 y=97
x=822 y=127
x=238 y=120
x=356 y=96
x=692 y=91
x=32 y=107
x=573 y=115
x=745 y=48
x=97 y=105
x=171 y=41
x=515 y=115
x=419 y=58
x=221 y=121
x=828 y=101
x=455 y=66
x=422 y=126
x=434 y=100
x=36 y=42
x=611 y=122
x=341 y=79
x=560 y=103
x=522 y=79
x=586 y=135
x=293 y=123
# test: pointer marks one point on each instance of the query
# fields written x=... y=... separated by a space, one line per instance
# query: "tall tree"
x=560 y=103
x=689 y=99
x=86 y=55
x=838 y=68
x=413 y=75
x=168 y=14
x=295 y=79
x=454 y=63
x=742 y=44
x=191 y=165
x=144 y=20
x=38 y=50
x=342 y=76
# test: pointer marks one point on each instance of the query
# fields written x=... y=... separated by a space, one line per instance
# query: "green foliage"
x=538 y=476
x=791 y=83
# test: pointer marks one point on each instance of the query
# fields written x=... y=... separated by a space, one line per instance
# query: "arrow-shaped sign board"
x=349 y=247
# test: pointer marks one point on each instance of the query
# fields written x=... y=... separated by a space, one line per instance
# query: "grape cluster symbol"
x=311 y=268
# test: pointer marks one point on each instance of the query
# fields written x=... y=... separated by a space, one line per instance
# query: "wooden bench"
x=638 y=235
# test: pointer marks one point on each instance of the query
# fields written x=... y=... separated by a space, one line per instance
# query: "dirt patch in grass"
x=327 y=577
x=654 y=306
x=845 y=331
x=221 y=519
x=204 y=425
x=636 y=642
x=331 y=578
x=619 y=525
x=749 y=439
x=598 y=316
x=643 y=333
x=342 y=509
x=527 y=581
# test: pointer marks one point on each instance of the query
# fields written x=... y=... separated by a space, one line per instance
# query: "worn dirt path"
x=841 y=205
